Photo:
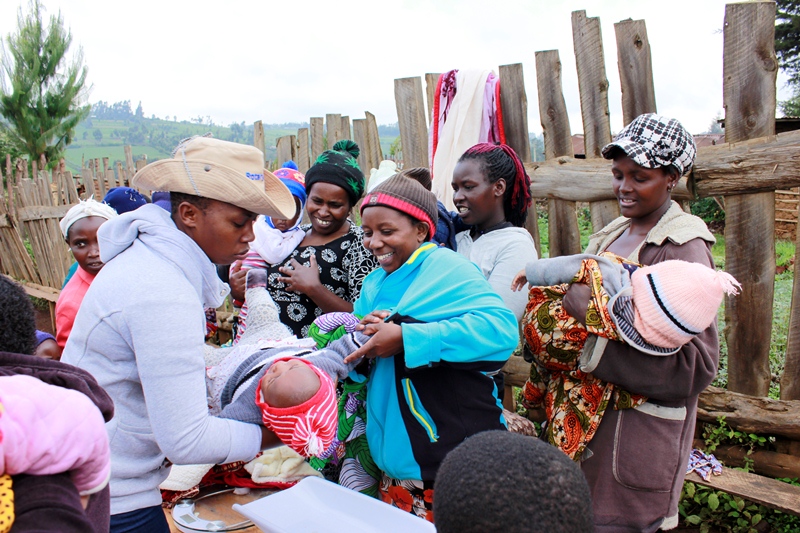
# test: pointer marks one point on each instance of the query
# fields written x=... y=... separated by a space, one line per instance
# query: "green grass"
x=784 y=253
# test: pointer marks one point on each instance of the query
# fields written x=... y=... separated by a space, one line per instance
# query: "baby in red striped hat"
x=286 y=384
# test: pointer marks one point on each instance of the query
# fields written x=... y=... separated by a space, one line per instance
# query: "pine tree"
x=43 y=91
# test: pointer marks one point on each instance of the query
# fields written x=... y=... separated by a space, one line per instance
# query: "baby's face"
x=283 y=224
x=289 y=383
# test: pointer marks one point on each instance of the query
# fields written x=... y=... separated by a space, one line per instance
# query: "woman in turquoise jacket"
x=439 y=332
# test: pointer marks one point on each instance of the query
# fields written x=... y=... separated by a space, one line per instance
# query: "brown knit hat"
x=407 y=196
x=420 y=174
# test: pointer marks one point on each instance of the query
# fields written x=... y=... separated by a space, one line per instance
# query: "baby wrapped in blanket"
x=273 y=378
x=656 y=309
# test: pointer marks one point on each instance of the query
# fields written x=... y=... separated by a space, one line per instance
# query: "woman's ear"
x=422 y=232
x=499 y=187
x=187 y=215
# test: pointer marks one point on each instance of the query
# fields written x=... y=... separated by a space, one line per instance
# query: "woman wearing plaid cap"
x=636 y=462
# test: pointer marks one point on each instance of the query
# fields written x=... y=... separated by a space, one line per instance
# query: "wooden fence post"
x=285 y=149
x=431 y=80
x=564 y=237
x=360 y=137
x=790 y=380
x=344 y=132
x=333 y=127
x=749 y=73
x=411 y=119
x=593 y=85
x=258 y=137
x=374 y=140
x=302 y=150
x=514 y=104
x=635 y=69
x=317 y=138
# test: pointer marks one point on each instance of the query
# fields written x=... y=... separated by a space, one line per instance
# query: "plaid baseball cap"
x=654 y=141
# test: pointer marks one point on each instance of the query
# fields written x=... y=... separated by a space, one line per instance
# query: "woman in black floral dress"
x=324 y=273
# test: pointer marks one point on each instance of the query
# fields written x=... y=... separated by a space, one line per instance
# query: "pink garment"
x=69 y=301
x=46 y=429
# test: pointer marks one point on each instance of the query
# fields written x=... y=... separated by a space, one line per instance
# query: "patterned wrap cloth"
x=574 y=400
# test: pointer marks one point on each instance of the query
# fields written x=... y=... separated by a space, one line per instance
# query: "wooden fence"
x=746 y=171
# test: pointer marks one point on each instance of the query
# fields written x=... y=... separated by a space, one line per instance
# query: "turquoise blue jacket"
x=457 y=332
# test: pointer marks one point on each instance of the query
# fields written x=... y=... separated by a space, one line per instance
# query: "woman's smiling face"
x=328 y=207
x=641 y=192
x=391 y=235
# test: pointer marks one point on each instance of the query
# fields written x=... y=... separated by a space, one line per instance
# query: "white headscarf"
x=86 y=208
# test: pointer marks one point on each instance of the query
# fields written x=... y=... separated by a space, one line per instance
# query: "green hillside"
x=155 y=138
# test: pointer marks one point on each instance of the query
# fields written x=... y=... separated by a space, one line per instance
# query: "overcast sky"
x=250 y=60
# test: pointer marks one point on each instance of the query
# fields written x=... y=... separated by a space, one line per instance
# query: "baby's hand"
x=519 y=281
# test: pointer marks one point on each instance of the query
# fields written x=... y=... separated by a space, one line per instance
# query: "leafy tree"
x=42 y=90
x=98 y=135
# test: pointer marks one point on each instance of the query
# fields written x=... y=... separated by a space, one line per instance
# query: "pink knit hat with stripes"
x=308 y=428
x=676 y=300
x=407 y=196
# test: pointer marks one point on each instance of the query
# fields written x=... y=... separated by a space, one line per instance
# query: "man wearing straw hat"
x=141 y=326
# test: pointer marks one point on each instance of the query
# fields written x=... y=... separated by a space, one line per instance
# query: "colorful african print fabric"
x=574 y=400
x=358 y=469
x=410 y=495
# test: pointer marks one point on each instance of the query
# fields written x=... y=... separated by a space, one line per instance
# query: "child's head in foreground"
x=79 y=227
x=17 y=323
x=295 y=181
x=298 y=403
x=503 y=481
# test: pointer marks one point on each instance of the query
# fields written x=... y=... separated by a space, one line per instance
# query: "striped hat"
x=308 y=428
x=672 y=302
x=407 y=196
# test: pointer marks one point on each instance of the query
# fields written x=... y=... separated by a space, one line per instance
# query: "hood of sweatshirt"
x=153 y=227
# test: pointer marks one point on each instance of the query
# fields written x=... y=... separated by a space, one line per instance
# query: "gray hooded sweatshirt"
x=140 y=333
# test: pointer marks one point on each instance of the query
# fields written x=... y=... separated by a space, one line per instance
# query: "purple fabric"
x=330 y=321
x=161 y=199
x=42 y=336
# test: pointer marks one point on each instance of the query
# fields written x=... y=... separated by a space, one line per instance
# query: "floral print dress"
x=343 y=265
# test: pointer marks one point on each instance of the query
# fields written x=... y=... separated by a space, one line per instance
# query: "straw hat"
x=220 y=170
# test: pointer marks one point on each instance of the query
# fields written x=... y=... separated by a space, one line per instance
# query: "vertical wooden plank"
x=317 y=138
x=563 y=233
x=344 y=132
x=100 y=176
x=130 y=169
x=514 y=103
x=302 y=150
x=283 y=149
x=373 y=140
x=635 y=69
x=258 y=137
x=593 y=85
x=411 y=119
x=749 y=73
x=121 y=174
x=360 y=137
x=431 y=80
x=790 y=380
x=333 y=126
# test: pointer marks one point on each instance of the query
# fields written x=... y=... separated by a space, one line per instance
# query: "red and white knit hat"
x=308 y=428
x=676 y=300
